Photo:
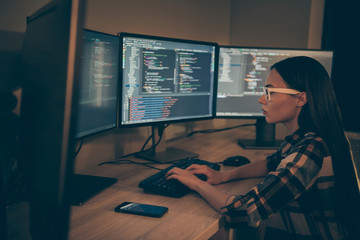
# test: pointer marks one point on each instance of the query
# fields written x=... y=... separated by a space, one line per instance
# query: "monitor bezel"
x=256 y=117
x=122 y=35
x=49 y=69
x=105 y=130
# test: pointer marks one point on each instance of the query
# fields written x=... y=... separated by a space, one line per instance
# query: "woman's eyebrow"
x=268 y=85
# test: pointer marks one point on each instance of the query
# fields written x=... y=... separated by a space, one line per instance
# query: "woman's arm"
x=215 y=197
x=256 y=169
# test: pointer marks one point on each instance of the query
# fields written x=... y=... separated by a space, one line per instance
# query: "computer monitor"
x=50 y=64
x=97 y=106
x=166 y=80
x=98 y=93
x=242 y=74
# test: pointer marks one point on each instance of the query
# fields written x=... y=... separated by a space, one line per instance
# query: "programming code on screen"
x=97 y=108
x=243 y=73
x=165 y=80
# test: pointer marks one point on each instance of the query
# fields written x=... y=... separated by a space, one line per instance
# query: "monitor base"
x=84 y=187
x=169 y=155
x=253 y=144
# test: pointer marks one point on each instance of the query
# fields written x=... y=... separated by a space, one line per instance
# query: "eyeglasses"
x=267 y=92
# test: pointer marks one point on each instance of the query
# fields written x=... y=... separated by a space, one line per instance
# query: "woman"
x=309 y=181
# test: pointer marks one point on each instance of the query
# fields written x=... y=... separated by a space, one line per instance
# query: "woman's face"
x=282 y=108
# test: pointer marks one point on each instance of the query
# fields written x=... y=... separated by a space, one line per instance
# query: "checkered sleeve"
x=293 y=176
x=274 y=160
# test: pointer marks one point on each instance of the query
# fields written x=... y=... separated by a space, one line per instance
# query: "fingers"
x=173 y=171
x=194 y=167
x=177 y=173
x=198 y=169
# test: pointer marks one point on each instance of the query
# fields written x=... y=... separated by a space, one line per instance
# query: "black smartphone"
x=141 y=209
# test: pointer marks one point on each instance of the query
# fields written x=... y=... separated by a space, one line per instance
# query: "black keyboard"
x=158 y=184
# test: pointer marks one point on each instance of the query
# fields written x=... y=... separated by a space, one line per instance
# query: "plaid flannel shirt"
x=299 y=189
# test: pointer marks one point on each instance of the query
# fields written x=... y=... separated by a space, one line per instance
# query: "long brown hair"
x=321 y=114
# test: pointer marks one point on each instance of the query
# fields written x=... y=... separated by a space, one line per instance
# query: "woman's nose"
x=262 y=100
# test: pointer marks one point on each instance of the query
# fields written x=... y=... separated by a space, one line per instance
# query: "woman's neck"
x=292 y=127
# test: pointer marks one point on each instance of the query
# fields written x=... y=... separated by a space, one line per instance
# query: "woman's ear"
x=301 y=99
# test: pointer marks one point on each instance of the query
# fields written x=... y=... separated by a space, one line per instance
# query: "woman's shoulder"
x=313 y=135
x=312 y=140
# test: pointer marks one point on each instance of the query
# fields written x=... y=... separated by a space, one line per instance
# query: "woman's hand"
x=214 y=196
x=213 y=176
x=187 y=177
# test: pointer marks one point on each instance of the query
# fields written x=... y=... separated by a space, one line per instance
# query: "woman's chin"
x=269 y=120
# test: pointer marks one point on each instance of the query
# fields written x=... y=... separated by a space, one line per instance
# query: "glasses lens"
x=266 y=92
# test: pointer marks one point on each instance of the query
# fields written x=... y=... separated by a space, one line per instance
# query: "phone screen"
x=141 y=209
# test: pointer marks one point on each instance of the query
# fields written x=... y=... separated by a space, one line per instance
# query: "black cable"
x=126 y=161
x=219 y=130
x=79 y=148
x=146 y=142
x=161 y=130
x=160 y=133
x=119 y=159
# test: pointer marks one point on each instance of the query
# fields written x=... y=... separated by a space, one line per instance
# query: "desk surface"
x=189 y=217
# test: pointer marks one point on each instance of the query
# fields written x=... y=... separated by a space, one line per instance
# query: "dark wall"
x=275 y=23
x=342 y=33
x=10 y=49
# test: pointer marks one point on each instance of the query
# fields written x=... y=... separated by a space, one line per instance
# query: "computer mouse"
x=236 y=161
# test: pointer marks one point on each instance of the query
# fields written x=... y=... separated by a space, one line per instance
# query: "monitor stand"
x=84 y=187
x=265 y=137
x=160 y=153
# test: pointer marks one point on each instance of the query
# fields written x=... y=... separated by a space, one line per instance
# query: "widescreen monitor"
x=98 y=91
x=242 y=74
x=166 y=80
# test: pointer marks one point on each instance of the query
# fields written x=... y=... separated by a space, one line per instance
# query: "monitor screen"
x=97 y=105
x=167 y=80
x=243 y=72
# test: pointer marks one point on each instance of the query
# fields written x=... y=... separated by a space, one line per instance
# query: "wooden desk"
x=189 y=217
